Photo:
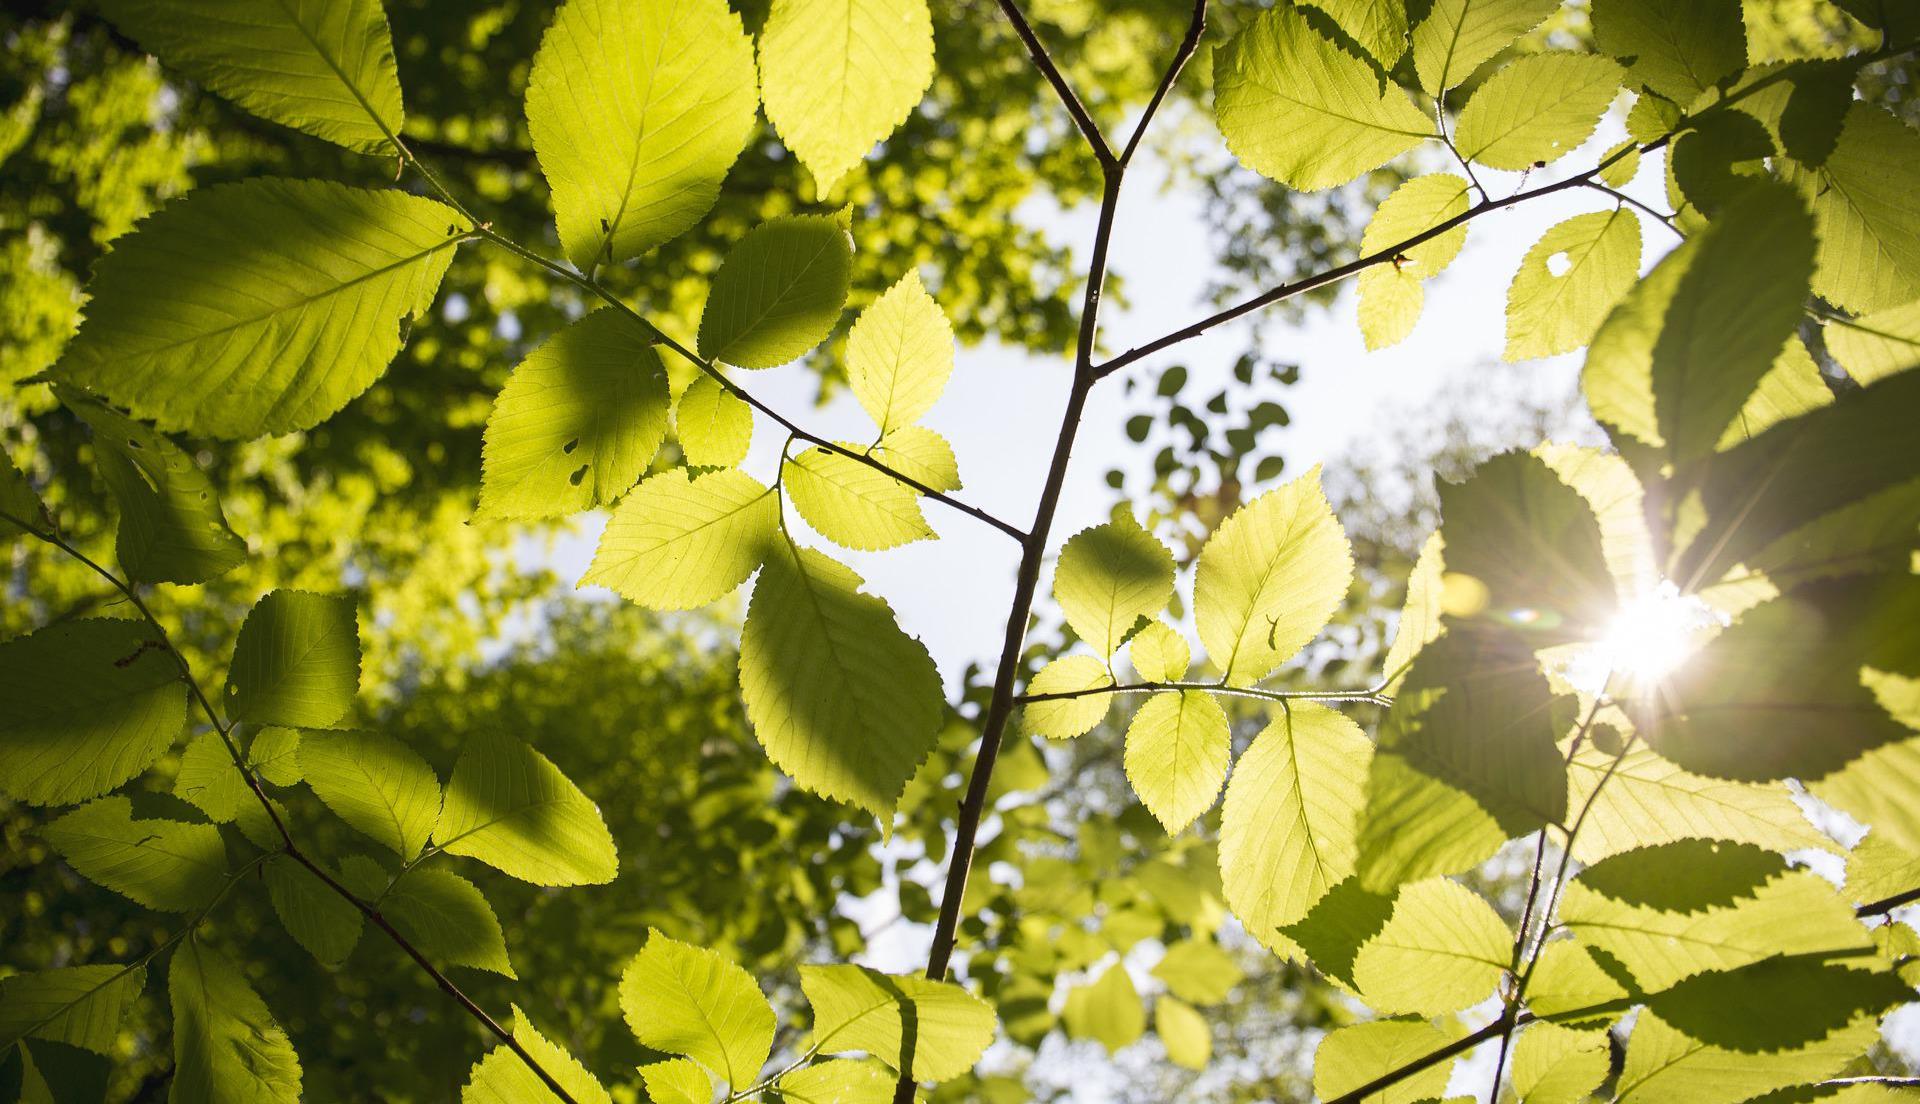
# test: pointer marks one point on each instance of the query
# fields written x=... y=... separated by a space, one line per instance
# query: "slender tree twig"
x=1881 y=908
x=1371 y=696
x=594 y=287
x=1662 y=217
x=288 y=846
x=1043 y=61
x=1499 y=1027
x=1196 y=26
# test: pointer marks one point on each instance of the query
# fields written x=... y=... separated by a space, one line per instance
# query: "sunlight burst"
x=1652 y=635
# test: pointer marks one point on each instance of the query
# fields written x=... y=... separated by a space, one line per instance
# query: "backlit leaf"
x=1066 y=717
x=1678 y=48
x=779 y=292
x=637 y=110
x=688 y=1000
x=855 y=1008
x=1538 y=109
x=1185 y=1033
x=260 y=307
x=840 y=75
x=503 y=1077
x=296 y=661
x=900 y=354
x=1459 y=36
x=1176 y=757
x=1106 y=1010
x=1442 y=949
x=163 y=864
x=1879 y=344
x=1569 y=280
x=1558 y=1065
x=1287 y=828
x=577 y=423
x=1269 y=579
x=680 y=541
x=1664 y=1066
x=1159 y=653
x=511 y=808
x=226 y=1045
x=209 y=780
x=1295 y=106
x=84 y=706
x=80 y=1006
x=920 y=454
x=331 y=72
x=449 y=919
x=1355 y=1055
x=1109 y=577
x=714 y=425
x=843 y=700
x=319 y=919
x=378 y=785
x=1866 y=200
x=852 y=504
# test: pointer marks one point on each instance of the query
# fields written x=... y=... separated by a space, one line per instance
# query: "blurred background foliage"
x=464 y=631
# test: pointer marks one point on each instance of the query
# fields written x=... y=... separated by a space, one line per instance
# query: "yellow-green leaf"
x=680 y=541
x=1176 y=757
x=840 y=75
x=1568 y=282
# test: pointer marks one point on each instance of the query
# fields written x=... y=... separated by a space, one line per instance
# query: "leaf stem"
x=1369 y=696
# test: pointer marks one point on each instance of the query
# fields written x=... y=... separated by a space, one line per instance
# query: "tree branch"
x=1881 y=908
x=288 y=846
x=1043 y=61
x=1371 y=696
x=1196 y=26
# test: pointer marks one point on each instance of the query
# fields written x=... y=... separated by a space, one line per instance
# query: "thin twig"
x=1196 y=26
x=1043 y=61
x=601 y=291
x=288 y=846
x=1882 y=907
x=1662 y=217
x=1371 y=696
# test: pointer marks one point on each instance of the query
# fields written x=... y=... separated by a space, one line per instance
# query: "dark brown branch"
x=1461 y=1045
x=1881 y=908
x=288 y=846
x=1196 y=26
x=1044 y=62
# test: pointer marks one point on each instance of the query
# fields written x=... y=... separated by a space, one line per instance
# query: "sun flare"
x=1653 y=634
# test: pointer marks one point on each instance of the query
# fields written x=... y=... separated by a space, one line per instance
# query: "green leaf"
x=1176 y=756
x=378 y=785
x=80 y=1006
x=1287 y=828
x=1879 y=867
x=1558 y=1065
x=679 y=1081
x=855 y=1008
x=1065 y=718
x=1866 y=200
x=840 y=75
x=319 y=919
x=1352 y=1056
x=84 y=706
x=1877 y=788
x=1270 y=578
x=843 y=700
x=1466 y=760
x=920 y=453
x=503 y=1077
x=1790 y=388
x=171 y=527
x=1665 y=1066
x=296 y=661
x=1677 y=48
x=511 y=808
x=1295 y=106
x=1568 y=282
x=449 y=919
x=1568 y=979
x=680 y=541
x=1537 y=109
x=852 y=504
x=208 y=779
x=1793 y=912
x=1736 y=305
x=1159 y=653
x=637 y=111
x=1390 y=306
x=1419 y=623
x=226 y=1045
x=577 y=423
x=1618 y=377
x=779 y=292
x=323 y=68
x=1109 y=577
x=1459 y=36
x=1185 y=1033
x=1532 y=546
x=714 y=425
x=162 y=864
x=1442 y=949
x=687 y=1000
x=1648 y=800
x=216 y=316
x=1716 y=158
x=1779 y=694
x=1688 y=875
x=1803 y=470
x=275 y=756
x=1877 y=345
x=835 y=1081
x=1197 y=970
x=900 y=350
x=1415 y=207
x=1776 y=1003
x=1106 y=1010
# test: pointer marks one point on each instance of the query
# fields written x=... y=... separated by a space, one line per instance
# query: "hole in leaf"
x=1559 y=264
